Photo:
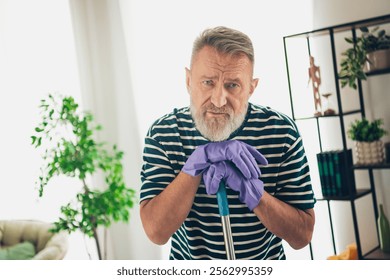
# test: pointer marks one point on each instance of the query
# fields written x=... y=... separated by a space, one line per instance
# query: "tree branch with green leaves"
x=72 y=150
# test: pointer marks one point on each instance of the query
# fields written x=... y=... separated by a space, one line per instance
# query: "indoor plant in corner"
x=77 y=154
x=367 y=136
x=370 y=52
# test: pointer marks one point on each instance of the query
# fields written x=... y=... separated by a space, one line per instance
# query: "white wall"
x=334 y=12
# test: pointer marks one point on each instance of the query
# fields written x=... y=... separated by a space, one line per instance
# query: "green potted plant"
x=367 y=136
x=79 y=155
x=370 y=52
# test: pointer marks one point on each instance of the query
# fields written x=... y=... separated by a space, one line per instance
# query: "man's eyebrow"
x=234 y=80
x=215 y=77
x=209 y=77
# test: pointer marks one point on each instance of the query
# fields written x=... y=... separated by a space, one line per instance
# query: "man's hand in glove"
x=242 y=155
x=251 y=190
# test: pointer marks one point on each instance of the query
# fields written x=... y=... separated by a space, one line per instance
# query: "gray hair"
x=224 y=40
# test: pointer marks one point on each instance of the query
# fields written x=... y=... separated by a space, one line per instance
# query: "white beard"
x=217 y=129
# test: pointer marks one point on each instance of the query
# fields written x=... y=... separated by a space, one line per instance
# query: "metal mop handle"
x=223 y=207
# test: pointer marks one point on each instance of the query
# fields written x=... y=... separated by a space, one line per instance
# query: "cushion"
x=21 y=251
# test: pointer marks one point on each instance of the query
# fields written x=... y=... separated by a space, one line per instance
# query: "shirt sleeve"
x=294 y=183
x=157 y=172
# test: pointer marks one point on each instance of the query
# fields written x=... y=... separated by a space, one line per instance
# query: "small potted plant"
x=370 y=52
x=367 y=136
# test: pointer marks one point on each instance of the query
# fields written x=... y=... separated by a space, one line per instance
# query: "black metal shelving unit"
x=329 y=32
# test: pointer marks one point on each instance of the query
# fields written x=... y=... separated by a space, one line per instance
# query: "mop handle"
x=223 y=207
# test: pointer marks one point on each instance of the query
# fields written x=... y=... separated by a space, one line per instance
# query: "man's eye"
x=231 y=86
x=208 y=82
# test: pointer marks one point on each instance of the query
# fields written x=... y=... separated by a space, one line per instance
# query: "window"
x=37 y=56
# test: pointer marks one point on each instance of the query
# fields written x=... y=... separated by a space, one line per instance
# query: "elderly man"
x=256 y=150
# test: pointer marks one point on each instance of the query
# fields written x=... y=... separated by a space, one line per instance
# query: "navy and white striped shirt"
x=173 y=138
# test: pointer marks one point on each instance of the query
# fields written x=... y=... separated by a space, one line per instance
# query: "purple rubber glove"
x=241 y=154
x=251 y=190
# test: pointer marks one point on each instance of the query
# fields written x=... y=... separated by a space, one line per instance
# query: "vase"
x=369 y=153
x=384 y=230
x=377 y=60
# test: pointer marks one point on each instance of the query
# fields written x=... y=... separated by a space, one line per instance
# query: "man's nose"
x=218 y=96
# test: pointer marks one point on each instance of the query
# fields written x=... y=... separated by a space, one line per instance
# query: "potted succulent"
x=77 y=154
x=367 y=136
x=370 y=52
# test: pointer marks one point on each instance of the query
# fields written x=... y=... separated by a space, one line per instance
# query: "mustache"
x=218 y=110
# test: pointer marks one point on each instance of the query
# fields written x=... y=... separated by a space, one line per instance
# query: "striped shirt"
x=173 y=138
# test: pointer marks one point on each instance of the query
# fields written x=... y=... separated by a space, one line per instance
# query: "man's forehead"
x=210 y=59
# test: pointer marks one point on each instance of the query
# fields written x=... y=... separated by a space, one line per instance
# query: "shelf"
x=305 y=40
x=372 y=166
x=329 y=116
x=359 y=193
x=377 y=254
x=344 y=27
x=378 y=72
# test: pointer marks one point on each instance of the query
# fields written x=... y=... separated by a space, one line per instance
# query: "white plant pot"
x=368 y=153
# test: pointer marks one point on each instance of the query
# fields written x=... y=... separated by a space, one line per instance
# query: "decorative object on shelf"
x=377 y=60
x=328 y=111
x=77 y=154
x=370 y=52
x=387 y=152
x=368 y=146
x=350 y=253
x=369 y=152
x=384 y=230
x=315 y=78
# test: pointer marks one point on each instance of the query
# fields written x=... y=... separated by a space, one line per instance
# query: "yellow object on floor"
x=349 y=254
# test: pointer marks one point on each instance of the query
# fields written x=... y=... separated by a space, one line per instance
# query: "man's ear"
x=253 y=85
x=188 y=79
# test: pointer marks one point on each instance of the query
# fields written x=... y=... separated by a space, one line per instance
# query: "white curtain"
x=107 y=92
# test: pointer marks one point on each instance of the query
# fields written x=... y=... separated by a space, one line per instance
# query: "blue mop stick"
x=223 y=207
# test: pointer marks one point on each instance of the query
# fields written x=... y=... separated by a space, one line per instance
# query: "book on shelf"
x=331 y=173
x=338 y=177
x=336 y=174
x=348 y=180
x=321 y=173
x=325 y=170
